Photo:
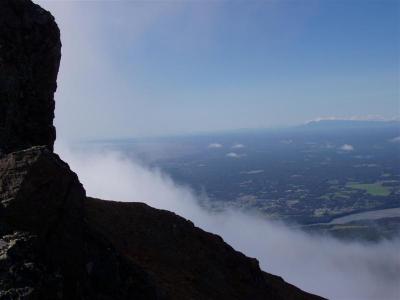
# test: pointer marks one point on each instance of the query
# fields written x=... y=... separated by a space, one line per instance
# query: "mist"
x=317 y=264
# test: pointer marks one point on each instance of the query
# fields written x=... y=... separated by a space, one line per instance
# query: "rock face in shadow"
x=30 y=52
x=186 y=261
x=41 y=219
x=47 y=250
x=55 y=243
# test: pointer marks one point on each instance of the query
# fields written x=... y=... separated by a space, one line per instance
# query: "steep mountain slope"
x=55 y=243
x=186 y=261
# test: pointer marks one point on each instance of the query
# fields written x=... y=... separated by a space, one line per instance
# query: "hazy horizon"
x=223 y=131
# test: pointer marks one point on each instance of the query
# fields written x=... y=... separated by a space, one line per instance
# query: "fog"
x=321 y=265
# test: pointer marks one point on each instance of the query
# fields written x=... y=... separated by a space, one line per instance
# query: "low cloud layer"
x=235 y=155
x=238 y=146
x=347 y=147
x=215 y=145
x=325 y=266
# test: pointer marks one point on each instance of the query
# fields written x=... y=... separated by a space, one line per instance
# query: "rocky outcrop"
x=41 y=221
x=185 y=261
x=55 y=243
x=47 y=251
x=30 y=52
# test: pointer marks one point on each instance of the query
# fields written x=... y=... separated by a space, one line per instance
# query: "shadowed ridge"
x=186 y=261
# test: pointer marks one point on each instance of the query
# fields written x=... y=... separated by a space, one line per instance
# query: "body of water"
x=368 y=215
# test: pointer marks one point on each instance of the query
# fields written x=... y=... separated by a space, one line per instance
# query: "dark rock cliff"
x=30 y=52
x=55 y=243
x=47 y=249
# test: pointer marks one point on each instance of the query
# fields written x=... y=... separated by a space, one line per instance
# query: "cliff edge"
x=55 y=242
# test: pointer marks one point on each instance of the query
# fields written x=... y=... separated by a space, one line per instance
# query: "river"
x=368 y=215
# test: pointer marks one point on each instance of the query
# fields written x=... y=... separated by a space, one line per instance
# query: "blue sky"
x=139 y=68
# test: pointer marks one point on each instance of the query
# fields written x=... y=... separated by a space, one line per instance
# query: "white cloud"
x=238 y=146
x=321 y=265
x=215 y=145
x=355 y=118
x=252 y=172
x=347 y=147
x=395 y=140
x=235 y=155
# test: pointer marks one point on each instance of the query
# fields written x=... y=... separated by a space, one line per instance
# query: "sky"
x=144 y=68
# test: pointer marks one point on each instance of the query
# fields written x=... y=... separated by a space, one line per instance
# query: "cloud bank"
x=321 y=265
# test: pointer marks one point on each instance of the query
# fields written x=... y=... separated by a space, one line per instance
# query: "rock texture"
x=47 y=250
x=55 y=243
x=186 y=261
x=30 y=52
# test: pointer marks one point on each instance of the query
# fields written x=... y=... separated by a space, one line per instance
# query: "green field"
x=374 y=189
